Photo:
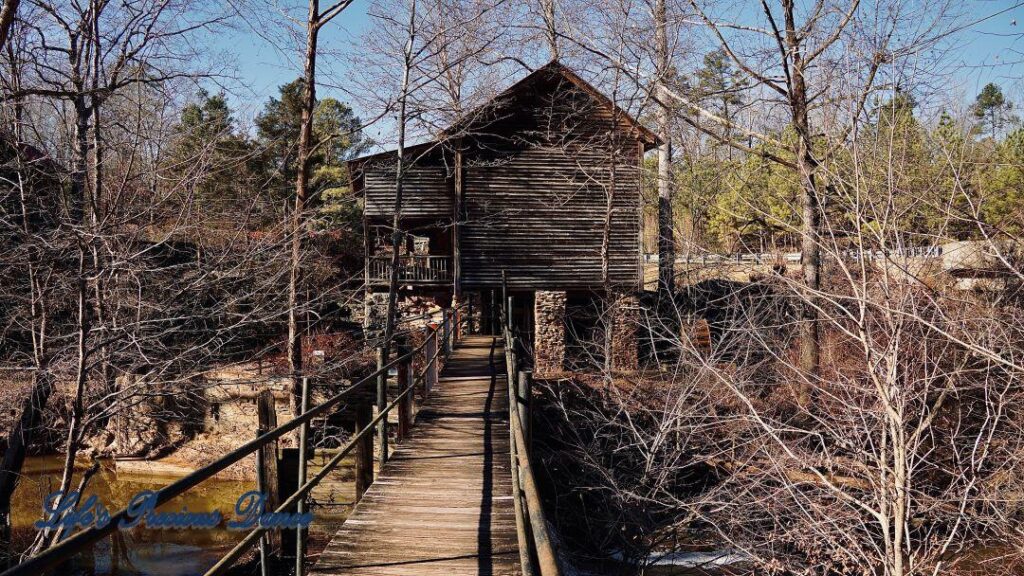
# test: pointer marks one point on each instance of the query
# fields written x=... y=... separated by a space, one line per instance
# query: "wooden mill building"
x=542 y=182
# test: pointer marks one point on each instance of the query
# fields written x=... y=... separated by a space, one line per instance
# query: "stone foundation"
x=625 y=315
x=375 y=309
x=549 y=332
x=408 y=305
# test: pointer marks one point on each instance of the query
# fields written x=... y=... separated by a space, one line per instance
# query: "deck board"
x=443 y=503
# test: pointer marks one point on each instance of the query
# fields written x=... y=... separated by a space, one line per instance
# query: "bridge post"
x=447 y=324
x=300 y=535
x=525 y=399
x=364 y=449
x=266 y=473
x=382 y=404
x=438 y=345
x=511 y=361
x=430 y=350
x=457 y=323
x=405 y=384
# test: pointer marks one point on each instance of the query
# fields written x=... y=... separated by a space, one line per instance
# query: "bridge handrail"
x=524 y=485
x=228 y=560
x=54 y=556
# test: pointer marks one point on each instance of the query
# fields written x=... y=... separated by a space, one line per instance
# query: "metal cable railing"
x=54 y=556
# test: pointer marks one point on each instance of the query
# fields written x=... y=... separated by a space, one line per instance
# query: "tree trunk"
x=298 y=217
x=79 y=158
x=550 y=28
x=811 y=212
x=7 y=14
x=666 y=238
x=99 y=304
x=396 y=223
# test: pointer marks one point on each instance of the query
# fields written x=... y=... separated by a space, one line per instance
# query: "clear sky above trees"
x=992 y=51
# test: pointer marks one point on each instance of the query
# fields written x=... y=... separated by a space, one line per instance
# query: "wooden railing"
x=435 y=347
x=536 y=550
x=411 y=269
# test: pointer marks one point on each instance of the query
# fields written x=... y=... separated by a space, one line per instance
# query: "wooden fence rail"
x=417 y=269
x=708 y=259
x=536 y=549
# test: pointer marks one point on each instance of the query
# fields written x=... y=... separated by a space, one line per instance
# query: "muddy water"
x=139 y=551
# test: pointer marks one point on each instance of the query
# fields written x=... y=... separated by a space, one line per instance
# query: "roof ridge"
x=556 y=66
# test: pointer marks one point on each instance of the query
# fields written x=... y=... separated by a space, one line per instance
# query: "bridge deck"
x=443 y=503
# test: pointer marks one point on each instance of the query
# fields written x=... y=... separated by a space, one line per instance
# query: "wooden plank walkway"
x=443 y=503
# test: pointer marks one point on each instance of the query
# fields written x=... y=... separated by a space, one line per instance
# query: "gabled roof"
x=546 y=72
x=557 y=69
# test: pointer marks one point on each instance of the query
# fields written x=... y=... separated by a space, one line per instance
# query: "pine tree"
x=722 y=85
x=337 y=137
x=993 y=110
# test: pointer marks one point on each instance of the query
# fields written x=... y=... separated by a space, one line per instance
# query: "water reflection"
x=135 y=552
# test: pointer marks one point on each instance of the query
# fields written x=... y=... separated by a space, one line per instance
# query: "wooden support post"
x=511 y=344
x=525 y=395
x=511 y=361
x=300 y=536
x=508 y=313
x=504 y=302
x=405 y=404
x=457 y=225
x=266 y=474
x=441 y=329
x=435 y=366
x=517 y=494
x=447 y=315
x=443 y=336
x=430 y=352
x=382 y=404
x=453 y=325
x=364 y=449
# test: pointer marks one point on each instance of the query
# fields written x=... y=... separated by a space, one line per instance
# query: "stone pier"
x=625 y=314
x=549 y=332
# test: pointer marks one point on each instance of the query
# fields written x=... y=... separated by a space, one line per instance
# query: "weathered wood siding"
x=427 y=191
x=537 y=168
x=537 y=208
x=541 y=217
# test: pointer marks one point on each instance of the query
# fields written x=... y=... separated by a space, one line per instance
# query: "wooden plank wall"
x=536 y=171
x=541 y=217
x=535 y=202
x=426 y=194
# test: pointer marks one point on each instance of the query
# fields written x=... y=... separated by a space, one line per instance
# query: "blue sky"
x=988 y=51
x=263 y=65
x=993 y=50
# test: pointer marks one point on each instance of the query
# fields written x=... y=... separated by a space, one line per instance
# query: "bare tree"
x=7 y=14
x=801 y=43
x=108 y=50
x=666 y=238
x=315 y=20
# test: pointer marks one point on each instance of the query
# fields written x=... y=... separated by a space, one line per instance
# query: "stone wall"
x=549 y=332
x=156 y=416
x=375 y=308
x=625 y=314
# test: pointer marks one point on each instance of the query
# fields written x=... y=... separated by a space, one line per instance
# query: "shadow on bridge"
x=443 y=503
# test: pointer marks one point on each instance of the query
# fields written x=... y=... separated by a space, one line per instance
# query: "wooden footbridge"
x=443 y=502
x=455 y=495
